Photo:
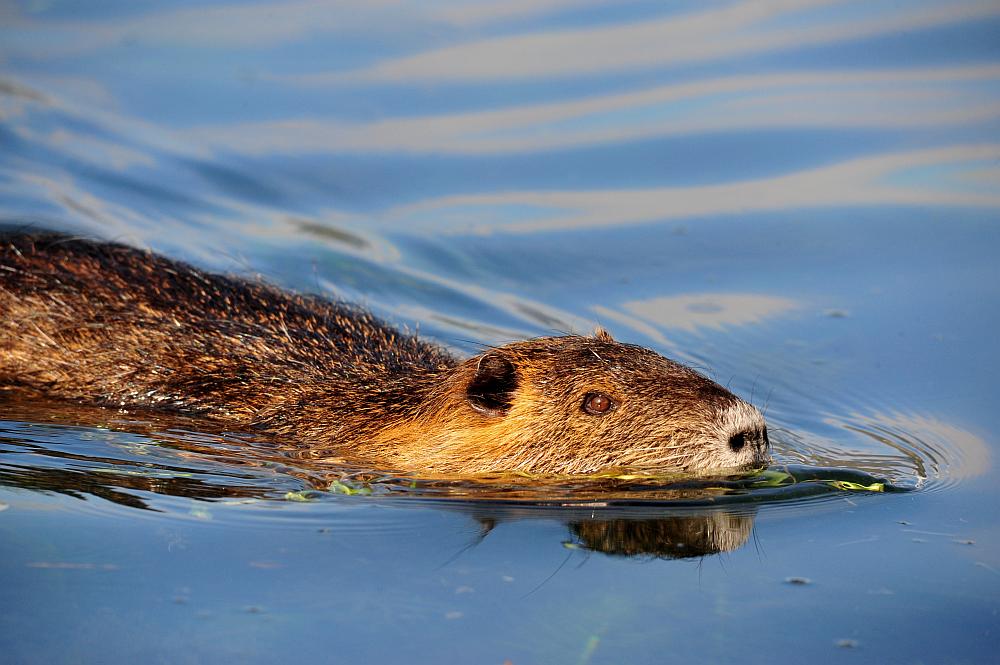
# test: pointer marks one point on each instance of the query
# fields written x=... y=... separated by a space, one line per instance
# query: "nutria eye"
x=597 y=403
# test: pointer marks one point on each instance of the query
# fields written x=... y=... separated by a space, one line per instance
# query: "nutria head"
x=577 y=405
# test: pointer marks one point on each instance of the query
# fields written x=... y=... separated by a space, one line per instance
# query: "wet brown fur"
x=109 y=324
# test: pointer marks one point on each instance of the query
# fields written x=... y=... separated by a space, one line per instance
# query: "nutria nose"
x=744 y=435
x=737 y=441
x=753 y=436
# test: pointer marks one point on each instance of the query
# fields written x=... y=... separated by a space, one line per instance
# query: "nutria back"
x=109 y=324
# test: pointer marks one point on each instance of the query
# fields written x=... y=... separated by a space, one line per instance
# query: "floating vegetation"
x=616 y=487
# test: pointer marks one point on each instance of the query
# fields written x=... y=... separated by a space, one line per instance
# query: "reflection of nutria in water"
x=109 y=324
x=675 y=537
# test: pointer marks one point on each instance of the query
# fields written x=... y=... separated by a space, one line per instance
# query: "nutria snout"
x=109 y=324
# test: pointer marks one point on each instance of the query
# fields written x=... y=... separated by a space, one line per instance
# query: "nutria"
x=109 y=324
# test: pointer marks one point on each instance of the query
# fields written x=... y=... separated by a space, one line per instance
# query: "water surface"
x=801 y=199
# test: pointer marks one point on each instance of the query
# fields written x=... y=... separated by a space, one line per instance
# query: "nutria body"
x=109 y=324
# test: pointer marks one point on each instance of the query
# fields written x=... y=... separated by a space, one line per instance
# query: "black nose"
x=738 y=441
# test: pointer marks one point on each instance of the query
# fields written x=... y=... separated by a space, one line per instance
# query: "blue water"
x=803 y=201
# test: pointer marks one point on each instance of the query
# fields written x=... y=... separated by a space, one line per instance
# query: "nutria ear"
x=602 y=334
x=491 y=390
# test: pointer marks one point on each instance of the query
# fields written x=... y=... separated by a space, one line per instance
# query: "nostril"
x=737 y=441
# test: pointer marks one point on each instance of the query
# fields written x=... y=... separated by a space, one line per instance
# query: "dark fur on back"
x=110 y=324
